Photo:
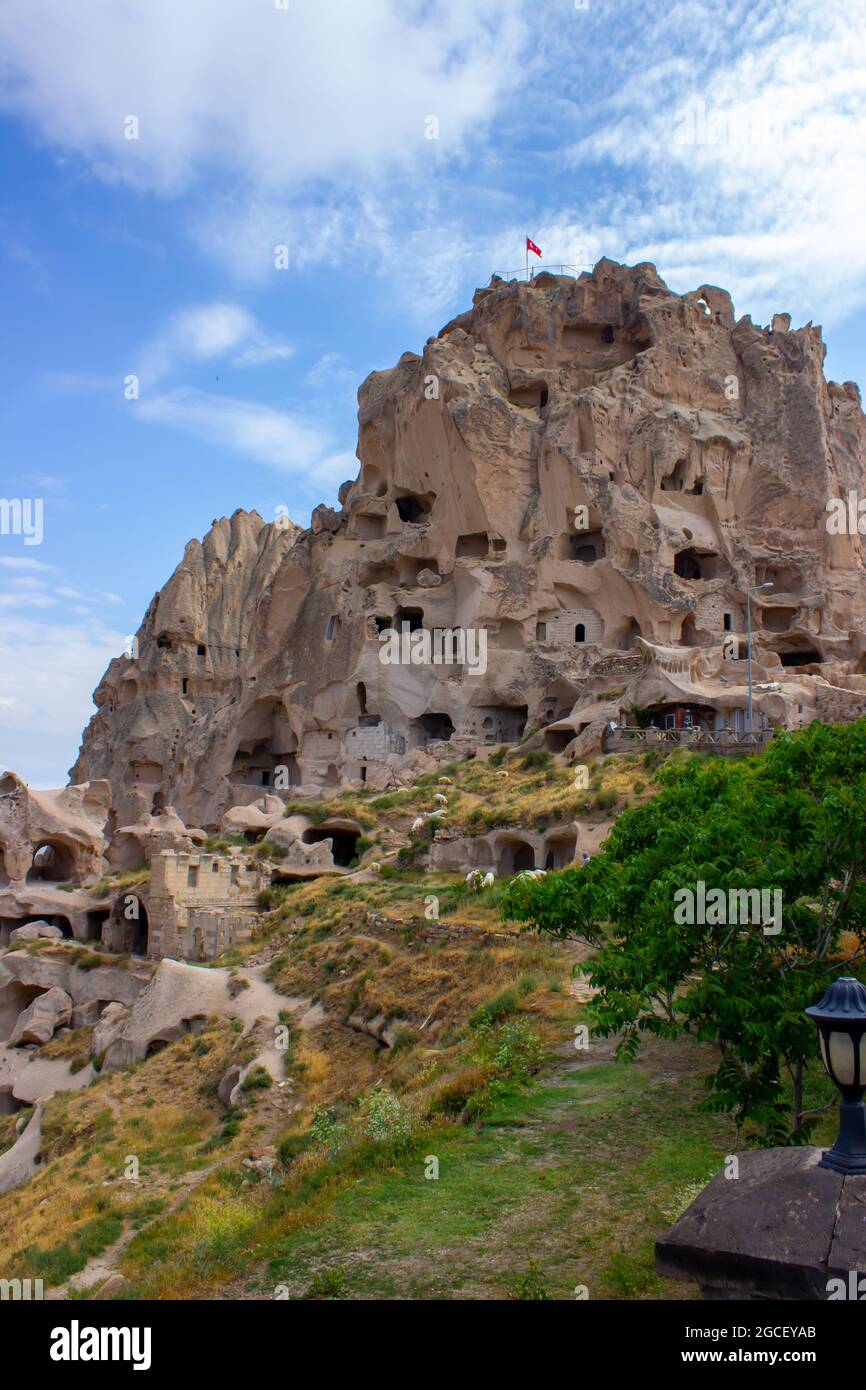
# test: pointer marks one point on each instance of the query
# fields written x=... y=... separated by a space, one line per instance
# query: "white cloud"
x=75 y=383
x=305 y=127
x=204 y=332
x=316 y=90
x=275 y=438
x=261 y=355
x=333 y=378
x=14 y=562
x=743 y=164
x=47 y=671
x=31 y=600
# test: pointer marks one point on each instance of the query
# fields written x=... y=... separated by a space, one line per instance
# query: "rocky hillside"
x=585 y=473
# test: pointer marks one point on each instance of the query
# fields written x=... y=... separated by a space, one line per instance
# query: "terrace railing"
x=627 y=736
x=523 y=274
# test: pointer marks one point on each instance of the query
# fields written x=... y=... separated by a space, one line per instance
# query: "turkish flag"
x=531 y=246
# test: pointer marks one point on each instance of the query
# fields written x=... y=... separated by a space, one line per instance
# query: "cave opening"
x=801 y=657
x=344 y=842
x=52 y=863
x=412 y=508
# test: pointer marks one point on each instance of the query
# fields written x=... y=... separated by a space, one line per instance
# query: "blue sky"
x=725 y=143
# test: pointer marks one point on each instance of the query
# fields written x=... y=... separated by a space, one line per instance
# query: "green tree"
x=793 y=821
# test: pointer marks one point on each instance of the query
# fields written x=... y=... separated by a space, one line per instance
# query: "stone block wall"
x=200 y=904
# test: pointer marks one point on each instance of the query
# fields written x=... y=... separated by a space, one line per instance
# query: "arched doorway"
x=560 y=851
x=524 y=858
x=139 y=933
x=128 y=927
x=514 y=855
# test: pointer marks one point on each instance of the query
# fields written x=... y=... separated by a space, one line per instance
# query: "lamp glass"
x=841 y=1065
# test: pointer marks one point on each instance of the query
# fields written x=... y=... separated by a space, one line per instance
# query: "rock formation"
x=561 y=508
x=587 y=474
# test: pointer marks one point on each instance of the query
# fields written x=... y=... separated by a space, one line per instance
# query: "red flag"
x=531 y=246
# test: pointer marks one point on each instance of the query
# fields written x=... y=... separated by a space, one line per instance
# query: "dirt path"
x=258 y=1007
x=102 y=1266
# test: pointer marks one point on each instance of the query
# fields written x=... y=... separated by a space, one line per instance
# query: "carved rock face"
x=576 y=483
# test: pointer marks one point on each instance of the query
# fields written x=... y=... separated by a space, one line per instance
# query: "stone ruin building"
x=595 y=476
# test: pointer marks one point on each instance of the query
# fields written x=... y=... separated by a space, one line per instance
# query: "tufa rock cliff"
x=577 y=482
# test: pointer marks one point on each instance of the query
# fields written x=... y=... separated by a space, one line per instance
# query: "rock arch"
x=53 y=862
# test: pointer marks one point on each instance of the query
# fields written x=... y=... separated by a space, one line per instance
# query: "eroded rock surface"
x=41 y=1019
x=591 y=472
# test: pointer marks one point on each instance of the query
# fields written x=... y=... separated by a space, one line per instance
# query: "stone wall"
x=200 y=904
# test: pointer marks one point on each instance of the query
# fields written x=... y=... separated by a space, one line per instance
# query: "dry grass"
x=161 y=1113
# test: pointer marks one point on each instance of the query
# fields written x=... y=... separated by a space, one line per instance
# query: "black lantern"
x=841 y=1020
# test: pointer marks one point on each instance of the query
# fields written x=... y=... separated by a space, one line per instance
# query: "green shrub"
x=329 y=1284
x=86 y=960
x=387 y=1120
x=511 y=1054
x=292 y=1145
x=404 y=1038
x=266 y=849
x=539 y=757
x=221 y=1225
x=258 y=1079
x=454 y=1095
x=529 y=1286
x=506 y=1002
x=331 y=1129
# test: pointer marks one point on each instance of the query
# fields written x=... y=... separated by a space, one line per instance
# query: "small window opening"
x=413 y=618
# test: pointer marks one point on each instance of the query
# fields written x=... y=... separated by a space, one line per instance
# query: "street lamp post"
x=841 y=1020
x=753 y=590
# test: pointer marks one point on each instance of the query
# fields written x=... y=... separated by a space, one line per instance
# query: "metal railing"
x=523 y=274
x=723 y=740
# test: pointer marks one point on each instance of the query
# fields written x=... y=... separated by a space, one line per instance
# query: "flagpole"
x=526 y=244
